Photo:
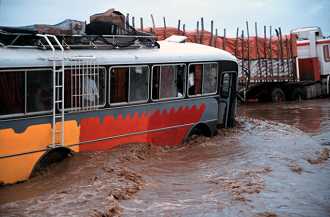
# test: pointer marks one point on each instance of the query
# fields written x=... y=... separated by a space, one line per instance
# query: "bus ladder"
x=58 y=91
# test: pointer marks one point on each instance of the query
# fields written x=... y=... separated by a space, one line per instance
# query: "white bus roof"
x=169 y=52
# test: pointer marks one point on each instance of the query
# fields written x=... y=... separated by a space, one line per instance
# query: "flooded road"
x=274 y=163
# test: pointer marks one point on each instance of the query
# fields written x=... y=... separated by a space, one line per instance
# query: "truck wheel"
x=297 y=94
x=278 y=95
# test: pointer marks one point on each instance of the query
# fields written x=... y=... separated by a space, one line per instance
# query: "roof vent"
x=176 y=39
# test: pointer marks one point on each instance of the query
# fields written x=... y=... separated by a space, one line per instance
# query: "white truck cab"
x=314 y=56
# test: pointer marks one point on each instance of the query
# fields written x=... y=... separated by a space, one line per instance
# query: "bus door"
x=227 y=98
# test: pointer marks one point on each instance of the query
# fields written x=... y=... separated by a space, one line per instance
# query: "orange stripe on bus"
x=34 y=138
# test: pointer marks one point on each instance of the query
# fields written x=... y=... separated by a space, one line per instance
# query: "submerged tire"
x=200 y=130
x=278 y=95
x=297 y=94
x=50 y=157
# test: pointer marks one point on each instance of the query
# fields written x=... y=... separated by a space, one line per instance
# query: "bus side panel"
x=33 y=141
x=24 y=142
x=159 y=126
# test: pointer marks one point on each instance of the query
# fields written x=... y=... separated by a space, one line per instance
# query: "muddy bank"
x=263 y=167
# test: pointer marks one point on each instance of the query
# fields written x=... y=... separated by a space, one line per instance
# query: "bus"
x=57 y=98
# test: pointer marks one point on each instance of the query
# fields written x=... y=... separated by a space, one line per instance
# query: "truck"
x=304 y=76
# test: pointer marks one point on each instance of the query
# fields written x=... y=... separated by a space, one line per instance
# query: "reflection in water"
x=271 y=164
x=310 y=116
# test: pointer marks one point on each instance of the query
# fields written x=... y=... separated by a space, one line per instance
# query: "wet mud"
x=274 y=163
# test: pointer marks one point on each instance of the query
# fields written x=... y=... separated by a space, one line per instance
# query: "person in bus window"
x=180 y=81
x=91 y=92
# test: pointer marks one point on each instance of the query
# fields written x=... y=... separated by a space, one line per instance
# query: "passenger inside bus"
x=195 y=79
x=84 y=89
x=168 y=81
x=91 y=92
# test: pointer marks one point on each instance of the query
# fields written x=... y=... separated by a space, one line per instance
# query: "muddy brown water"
x=274 y=163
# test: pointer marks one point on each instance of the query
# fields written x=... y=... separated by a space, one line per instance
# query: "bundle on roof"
x=78 y=34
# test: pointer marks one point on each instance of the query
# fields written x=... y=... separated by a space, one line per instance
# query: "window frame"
x=25 y=113
x=80 y=109
x=230 y=82
x=217 y=80
x=129 y=85
x=184 y=83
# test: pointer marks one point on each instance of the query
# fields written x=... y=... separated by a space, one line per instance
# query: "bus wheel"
x=200 y=129
x=278 y=95
x=297 y=94
x=49 y=158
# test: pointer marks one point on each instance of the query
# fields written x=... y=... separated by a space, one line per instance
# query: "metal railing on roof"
x=31 y=40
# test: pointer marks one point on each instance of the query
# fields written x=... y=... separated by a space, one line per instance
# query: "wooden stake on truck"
x=164 y=21
x=258 y=55
x=153 y=22
x=278 y=55
x=248 y=51
x=197 y=34
x=265 y=62
x=236 y=41
x=271 y=51
x=212 y=36
x=202 y=30
x=224 y=39
x=281 y=51
x=141 y=24
x=216 y=36
x=133 y=22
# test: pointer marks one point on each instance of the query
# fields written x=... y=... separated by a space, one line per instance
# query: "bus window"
x=84 y=88
x=168 y=81
x=195 y=79
x=210 y=78
x=12 y=96
x=118 y=85
x=129 y=84
x=138 y=85
x=155 y=82
x=202 y=79
x=39 y=91
x=225 y=85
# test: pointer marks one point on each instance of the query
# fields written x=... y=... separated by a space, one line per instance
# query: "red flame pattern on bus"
x=164 y=127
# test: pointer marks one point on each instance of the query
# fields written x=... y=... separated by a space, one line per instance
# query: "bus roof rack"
x=32 y=40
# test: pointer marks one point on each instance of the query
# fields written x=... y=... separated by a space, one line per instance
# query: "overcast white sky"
x=287 y=14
